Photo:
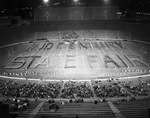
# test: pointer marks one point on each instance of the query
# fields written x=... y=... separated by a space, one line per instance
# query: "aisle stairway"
x=62 y=87
x=94 y=95
x=83 y=110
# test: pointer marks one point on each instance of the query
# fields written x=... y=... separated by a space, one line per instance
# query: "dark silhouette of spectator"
x=77 y=116
x=51 y=101
x=95 y=102
x=44 y=117
x=70 y=100
x=26 y=101
x=149 y=111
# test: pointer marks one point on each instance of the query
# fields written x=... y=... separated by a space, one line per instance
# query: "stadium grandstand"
x=74 y=59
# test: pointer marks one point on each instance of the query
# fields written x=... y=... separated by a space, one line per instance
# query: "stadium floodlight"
x=76 y=1
x=46 y=1
x=106 y=1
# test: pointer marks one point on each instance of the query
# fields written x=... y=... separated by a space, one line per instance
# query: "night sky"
x=24 y=3
x=135 y=5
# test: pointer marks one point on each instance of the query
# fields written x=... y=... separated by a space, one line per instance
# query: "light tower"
x=106 y=1
x=76 y=1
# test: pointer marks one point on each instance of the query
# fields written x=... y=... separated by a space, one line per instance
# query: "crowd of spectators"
x=108 y=90
x=137 y=90
x=46 y=90
x=12 y=89
x=73 y=89
x=29 y=90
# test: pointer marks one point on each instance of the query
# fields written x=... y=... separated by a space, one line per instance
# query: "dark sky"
x=22 y=3
x=135 y=5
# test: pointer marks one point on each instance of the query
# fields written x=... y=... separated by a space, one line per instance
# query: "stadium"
x=75 y=62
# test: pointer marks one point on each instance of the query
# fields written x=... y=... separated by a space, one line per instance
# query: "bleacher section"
x=115 y=109
x=83 y=110
x=29 y=89
x=81 y=89
x=134 y=109
x=112 y=98
x=29 y=110
x=135 y=87
x=108 y=89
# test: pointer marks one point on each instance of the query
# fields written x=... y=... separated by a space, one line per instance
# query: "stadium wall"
x=76 y=13
x=140 y=32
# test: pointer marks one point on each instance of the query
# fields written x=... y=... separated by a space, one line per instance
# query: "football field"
x=79 y=59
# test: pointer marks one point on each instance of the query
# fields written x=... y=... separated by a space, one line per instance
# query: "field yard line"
x=119 y=55
x=132 y=51
x=76 y=55
x=48 y=55
x=59 y=54
x=31 y=54
x=94 y=53
x=71 y=54
x=66 y=55
x=52 y=55
x=39 y=53
x=83 y=58
x=102 y=61
x=112 y=54
x=128 y=58
x=89 y=53
x=103 y=51
x=138 y=59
